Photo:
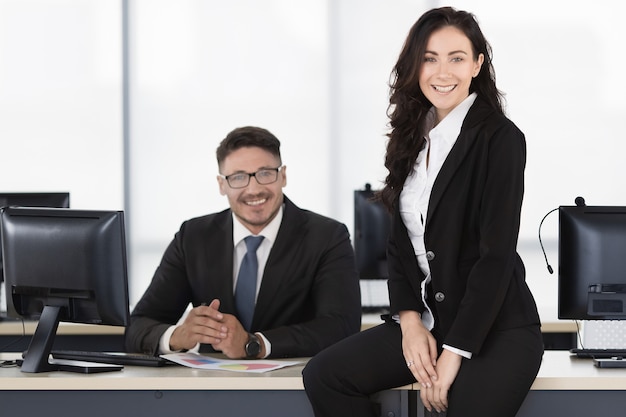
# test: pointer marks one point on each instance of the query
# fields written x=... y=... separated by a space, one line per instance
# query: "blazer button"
x=439 y=297
x=430 y=255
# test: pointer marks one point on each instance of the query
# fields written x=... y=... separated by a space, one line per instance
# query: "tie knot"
x=253 y=242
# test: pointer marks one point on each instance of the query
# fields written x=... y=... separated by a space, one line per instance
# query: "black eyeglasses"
x=263 y=176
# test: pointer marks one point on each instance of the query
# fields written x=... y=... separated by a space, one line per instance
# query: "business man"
x=265 y=278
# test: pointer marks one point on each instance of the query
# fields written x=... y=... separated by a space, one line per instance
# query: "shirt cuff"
x=268 y=345
x=164 y=343
x=464 y=353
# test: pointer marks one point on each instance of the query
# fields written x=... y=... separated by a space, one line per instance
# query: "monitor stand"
x=36 y=358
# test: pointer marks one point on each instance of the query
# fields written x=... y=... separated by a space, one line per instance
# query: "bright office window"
x=313 y=72
x=60 y=99
x=316 y=74
x=200 y=69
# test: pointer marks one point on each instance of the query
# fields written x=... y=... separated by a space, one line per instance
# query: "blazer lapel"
x=457 y=154
x=289 y=234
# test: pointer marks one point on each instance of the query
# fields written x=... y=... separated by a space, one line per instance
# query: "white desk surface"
x=15 y=327
x=152 y=378
x=559 y=371
x=562 y=371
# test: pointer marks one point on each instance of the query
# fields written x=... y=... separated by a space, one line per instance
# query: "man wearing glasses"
x=265 y=278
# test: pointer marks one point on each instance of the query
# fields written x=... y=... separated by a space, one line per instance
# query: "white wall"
x=313 y=72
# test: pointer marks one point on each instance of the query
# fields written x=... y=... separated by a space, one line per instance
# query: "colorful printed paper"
x=195 y=360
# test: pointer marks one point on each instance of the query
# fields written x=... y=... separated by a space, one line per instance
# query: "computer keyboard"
x=599 y=353
x=116 y=358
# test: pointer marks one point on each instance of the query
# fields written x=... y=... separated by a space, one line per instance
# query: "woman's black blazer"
x=471 y=234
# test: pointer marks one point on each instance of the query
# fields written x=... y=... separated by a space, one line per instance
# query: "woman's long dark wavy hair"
x=408 y=106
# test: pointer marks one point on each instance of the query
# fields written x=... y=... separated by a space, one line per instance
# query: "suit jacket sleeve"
x=165 y=299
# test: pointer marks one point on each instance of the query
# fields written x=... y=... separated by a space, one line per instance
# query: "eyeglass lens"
x=262 y=176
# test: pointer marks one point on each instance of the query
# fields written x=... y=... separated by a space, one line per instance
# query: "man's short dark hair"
x=248 y=136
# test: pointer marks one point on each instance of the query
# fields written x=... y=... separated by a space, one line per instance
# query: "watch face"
x=253 y=347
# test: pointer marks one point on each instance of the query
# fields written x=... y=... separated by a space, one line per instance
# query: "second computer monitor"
x=32 y=199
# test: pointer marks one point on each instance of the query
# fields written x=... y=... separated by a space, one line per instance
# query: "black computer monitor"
x=63 y=265
x=36 y=199
x=372 y=222
x=592 y=263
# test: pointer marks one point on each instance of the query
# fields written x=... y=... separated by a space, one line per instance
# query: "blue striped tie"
x=245 y=292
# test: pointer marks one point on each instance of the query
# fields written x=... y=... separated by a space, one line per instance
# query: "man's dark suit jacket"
x=309 y=297
x=471 y=232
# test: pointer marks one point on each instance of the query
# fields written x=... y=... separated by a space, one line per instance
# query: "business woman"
x=463 y=322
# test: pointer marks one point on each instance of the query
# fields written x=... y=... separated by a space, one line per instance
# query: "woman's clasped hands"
x=434 y=374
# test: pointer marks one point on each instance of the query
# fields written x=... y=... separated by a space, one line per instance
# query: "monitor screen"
x=592 y=262
x=60 y=200
x=371 y=231
x=63 y=265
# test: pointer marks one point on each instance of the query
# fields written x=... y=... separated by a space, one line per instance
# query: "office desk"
x=168 y=391
x=566 y=386
x=571 y=387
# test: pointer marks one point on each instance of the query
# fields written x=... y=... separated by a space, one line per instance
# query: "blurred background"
x=122 y=103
